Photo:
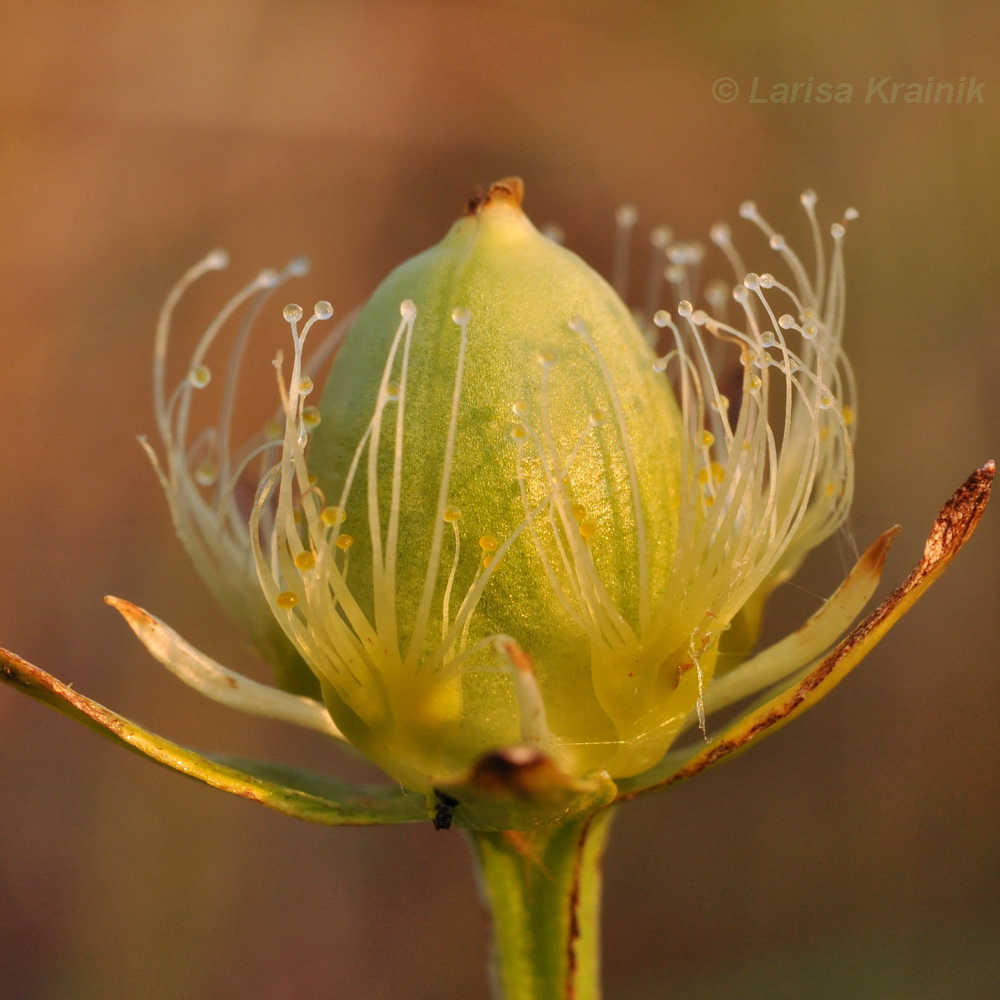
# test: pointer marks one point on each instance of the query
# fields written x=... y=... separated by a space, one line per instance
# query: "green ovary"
x=423 y=723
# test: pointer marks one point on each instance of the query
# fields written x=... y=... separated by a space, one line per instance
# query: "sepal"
x=954 y=526
x=811 y=639
x=305 y=796
x=217 y=682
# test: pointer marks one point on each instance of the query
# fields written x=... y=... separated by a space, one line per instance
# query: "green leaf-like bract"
x=296 y=793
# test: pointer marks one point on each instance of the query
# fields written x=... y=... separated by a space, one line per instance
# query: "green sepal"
x=954 y=526
x=295 y=793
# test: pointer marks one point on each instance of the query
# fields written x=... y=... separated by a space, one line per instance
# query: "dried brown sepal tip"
x=509 y=190
x=959 y=517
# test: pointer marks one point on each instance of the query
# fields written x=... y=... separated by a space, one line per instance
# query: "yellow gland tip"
x=332 y=516
x=588 y=529
x=206 y=474
x=200 y=377
x=286 y=599
x=488 y=543
x=451 y=515
x=305 y=561
x=344 y=542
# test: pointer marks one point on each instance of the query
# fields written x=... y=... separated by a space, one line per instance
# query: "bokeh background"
x=858 y=854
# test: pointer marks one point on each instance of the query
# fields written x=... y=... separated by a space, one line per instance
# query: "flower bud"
x=507 y=461
x=507 y=523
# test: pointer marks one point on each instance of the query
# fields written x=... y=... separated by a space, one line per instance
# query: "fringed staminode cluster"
x=201 y=471
x=769 y=475
x=303 y=559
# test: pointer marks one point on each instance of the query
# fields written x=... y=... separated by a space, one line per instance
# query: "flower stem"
x=544 y=891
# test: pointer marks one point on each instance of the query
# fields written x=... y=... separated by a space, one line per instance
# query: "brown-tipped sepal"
x=953 y=527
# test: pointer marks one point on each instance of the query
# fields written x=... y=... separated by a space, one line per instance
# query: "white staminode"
x=200 y=471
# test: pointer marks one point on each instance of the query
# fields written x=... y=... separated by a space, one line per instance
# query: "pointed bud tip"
x=509 y=190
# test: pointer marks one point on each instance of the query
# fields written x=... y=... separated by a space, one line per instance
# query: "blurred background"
x=858 y=854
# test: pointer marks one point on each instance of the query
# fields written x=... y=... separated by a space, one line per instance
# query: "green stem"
x=544 y=890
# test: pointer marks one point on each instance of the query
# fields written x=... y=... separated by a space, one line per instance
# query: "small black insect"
x=444 y=808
